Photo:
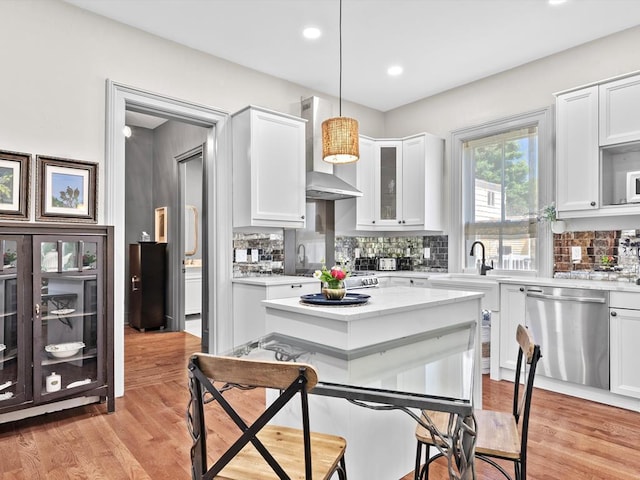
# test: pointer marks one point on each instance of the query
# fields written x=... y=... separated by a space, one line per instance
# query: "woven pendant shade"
x=340 y=141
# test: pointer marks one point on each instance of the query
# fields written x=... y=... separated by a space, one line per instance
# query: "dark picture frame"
x=66 y=190
x=15 y=185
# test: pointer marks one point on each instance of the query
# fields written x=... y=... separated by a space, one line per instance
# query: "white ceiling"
x=440 y=43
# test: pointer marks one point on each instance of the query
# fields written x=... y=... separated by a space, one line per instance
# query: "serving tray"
x=349 y=299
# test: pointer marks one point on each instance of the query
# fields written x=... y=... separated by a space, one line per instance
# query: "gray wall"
x=171 y=139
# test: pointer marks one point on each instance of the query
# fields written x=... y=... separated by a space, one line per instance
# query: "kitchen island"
x=403 y=341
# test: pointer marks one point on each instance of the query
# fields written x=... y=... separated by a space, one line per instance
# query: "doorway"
x=216 y=218
x=190 y=202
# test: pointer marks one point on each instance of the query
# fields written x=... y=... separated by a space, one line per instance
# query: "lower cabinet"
x=56 y=314
x=249 y=315
x=624 y=330
x=512 y=313
x=193 y=290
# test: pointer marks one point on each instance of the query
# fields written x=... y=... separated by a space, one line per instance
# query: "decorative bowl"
x=64 y=350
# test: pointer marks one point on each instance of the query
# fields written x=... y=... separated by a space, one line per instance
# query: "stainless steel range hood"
x=322 y=183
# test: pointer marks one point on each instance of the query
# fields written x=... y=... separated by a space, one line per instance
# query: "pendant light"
x=340 y=141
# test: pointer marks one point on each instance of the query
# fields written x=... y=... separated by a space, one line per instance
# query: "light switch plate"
x=426 y=252
x=576 y=254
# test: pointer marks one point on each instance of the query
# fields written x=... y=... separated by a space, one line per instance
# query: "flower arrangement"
x=333 y=278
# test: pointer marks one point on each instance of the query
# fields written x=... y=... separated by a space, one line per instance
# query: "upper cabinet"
x=577 y=170
x=401 y=184
x=598 y=149
x=620 y=111
x=268 y=169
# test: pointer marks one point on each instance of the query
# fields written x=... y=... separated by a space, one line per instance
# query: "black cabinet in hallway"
x=147 y=265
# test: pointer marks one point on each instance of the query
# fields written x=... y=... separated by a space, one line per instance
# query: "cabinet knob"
x=302 y=217
x=373 y=221
x=404 y=221
x=399 y=221
x=411 y=281
x=614 y=314
x=522 y=289
x=593 y=204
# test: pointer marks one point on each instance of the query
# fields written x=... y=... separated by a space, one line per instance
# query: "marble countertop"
x=383 y=301
x=461 y=278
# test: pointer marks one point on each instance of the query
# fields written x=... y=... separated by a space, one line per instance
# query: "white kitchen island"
x=416 y=348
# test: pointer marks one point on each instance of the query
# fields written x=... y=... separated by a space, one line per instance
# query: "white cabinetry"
x=408 y=282
x=268 y=169
x=249 y=314
x=620 y=111
x=401 y=182
x=192 y=290
x=366 y=169
x=624 y=335
x=597 y=144
x=577 y=150
x=512 y=313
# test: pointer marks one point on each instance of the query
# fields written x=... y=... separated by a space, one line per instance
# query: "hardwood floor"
x=147 y=438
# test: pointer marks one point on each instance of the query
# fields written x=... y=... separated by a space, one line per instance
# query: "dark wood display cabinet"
x=56 y=314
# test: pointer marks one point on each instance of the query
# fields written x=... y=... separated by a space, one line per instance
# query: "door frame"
x=179 y=282
x=217 y=174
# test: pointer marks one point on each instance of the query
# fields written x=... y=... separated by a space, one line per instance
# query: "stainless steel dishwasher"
x=572 y=327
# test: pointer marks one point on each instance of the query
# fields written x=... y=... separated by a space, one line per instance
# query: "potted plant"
x=332 y=282
x=549 y=214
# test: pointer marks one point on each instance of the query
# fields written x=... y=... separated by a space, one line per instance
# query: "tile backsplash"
x=612 y=253
x=398 y=247
x=269 y=249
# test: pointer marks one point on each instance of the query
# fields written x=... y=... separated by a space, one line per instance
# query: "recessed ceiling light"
x=557 y=2
x=311 y=33
x=394 y=70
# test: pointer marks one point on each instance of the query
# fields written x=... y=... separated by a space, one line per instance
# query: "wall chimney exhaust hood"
x=322 y=183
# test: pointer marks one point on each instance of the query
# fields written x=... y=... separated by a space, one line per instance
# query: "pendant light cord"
x=340 y=83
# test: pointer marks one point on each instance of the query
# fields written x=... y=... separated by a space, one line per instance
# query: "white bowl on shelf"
x=64 y=350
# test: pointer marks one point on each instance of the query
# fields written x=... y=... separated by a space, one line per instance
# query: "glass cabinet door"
x=68 y=318
x=390 y=176
x=14 y=348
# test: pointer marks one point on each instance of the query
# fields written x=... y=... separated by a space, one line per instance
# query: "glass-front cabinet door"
x=68 y=336
x=389 y=205
x=14 y=349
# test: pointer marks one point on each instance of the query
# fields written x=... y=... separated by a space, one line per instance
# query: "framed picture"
x=66 y=190
x=633 y=187
x=14 y=185
x=161 y=225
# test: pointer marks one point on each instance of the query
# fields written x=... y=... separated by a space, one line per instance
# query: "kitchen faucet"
x=483 y=267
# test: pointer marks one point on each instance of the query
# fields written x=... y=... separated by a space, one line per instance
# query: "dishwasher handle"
x=566 y=298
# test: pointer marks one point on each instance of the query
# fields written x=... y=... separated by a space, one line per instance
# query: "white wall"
x=55 y=59
x=522 y=89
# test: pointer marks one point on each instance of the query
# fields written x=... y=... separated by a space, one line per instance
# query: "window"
x=501 y=179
